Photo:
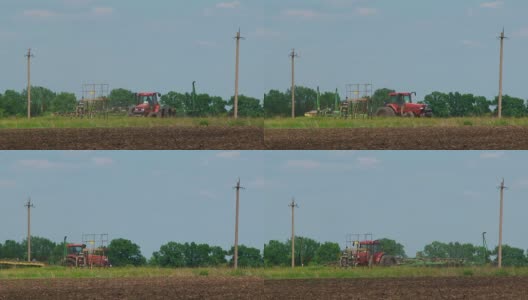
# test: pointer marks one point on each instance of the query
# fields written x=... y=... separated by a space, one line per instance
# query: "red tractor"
x=401 y=104
x=148 y=105
x=77 y=255
x=366 y=253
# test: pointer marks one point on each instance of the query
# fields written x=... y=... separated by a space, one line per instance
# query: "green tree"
x=481 y=106
x=247 y=257
x=182 y=103
x=328 y=99
x=305 y=100
x=63 y=102
x=122 y=252
x=512 y=107
x=391 y=247
x=217 y=106
x=438 y=103
x=327 y=253
x=217 y=256
x=12 y=250
x=171 y=254
x=305 y=249
x=379 y=98
x=247 y=107
x=436 y=250
x=41 y=99
x=13 y=103
x=276 y=104
x=121 y=98
x=511 y=256
x=41 y=249
x=276 y=253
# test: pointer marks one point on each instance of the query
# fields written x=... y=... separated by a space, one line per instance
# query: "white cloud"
x=40 y=13
x=523 y=32
x=102 y=161
x=492 y=155
x=7 y=183
x=228 y=155
x=368 y=162
x=228 y=5
x=266 y=33
x=206 y=44
x=303 y=13
x=206 y=194
x=470 y=43
x=102 y=11
x=303 y=164
x=366 y=11
x=493 y=4
x=261 y=183
x=37 y=164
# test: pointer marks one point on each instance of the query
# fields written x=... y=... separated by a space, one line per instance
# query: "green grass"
x=264 y=273
x=303 y=122
x=124 y=122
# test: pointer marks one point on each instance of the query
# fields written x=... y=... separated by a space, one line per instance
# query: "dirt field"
x=157 y=138
x=435 y=138
x=247 y=288
x=254 y=138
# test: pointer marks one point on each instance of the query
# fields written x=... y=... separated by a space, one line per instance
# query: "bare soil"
x=253 y=288
x=434 y=138
x=157 y=138
x=255 y=138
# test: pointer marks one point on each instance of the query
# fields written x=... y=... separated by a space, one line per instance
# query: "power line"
x=293 y=206
x=29 y=205
x=293 y=55
x=502 y=187
x=235 y=254
x=29 y=56
x=235 y=104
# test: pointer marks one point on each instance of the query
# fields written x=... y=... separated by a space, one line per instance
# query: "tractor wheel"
x=154 y=114
x=385 y=112
x=388 y=261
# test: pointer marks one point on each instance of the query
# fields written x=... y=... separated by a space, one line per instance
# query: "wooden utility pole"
x=499 y=255
x=235 y=254
x=293 y=55
x=29 y=205
x=29 y=56
x=499 y=104
x=235 y=104
x=293 y=205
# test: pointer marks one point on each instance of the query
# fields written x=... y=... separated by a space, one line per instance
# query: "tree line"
x=45 y=102
x=274 y=104
x=123 y=252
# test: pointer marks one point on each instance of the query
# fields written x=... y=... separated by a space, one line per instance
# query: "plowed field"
x=252 y=288
x=254 y=138
x=423 y=138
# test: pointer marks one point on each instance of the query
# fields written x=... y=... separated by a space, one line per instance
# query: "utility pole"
x=29 y=205
x=29 y=56
x=502 y=37
x=293 y=205
x=293 y=55
x=235 y=105
x=502 y=188
x=235 y=255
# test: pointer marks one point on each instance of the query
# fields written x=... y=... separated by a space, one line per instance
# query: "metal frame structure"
x=95 y=241
x=357 y=103
x=94 y=100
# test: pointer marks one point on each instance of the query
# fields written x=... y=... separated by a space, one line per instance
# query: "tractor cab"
x=147 y=104
x=75 y=249
x=401 y=104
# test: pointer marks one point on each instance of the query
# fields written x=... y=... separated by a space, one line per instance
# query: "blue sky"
x=164 y=45
x=155 y=197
